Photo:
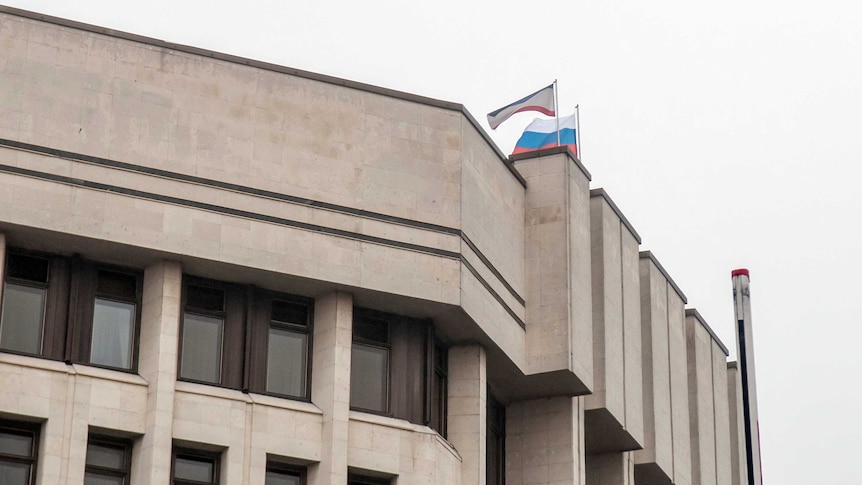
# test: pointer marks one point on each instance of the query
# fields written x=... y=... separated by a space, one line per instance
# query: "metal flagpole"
x=578 y=130
x=557 y=110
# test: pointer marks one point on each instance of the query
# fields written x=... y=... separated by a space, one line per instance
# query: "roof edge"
x=221 y=56
x=692 y=312
x=600 y=192
x=649 y=255
x=544 y=152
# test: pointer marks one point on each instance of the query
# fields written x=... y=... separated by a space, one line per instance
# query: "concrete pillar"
x=330 y=384
x=738 y=466
x=722 y=418
x=559 y=296
x=545 y=442
x=701 y=400
x=157 y=364
x=614 y=412
x=467 y=403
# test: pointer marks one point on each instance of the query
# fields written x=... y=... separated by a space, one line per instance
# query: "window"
x=194 y=467
x=19 y=445
x=495 y=457
x=203 y=334
x=245 y=338
x=287 y=348
x=439 y=388
x=397 y=369
x=282 y=474
x=71 y=309
x=355 y=479
x=109 y=461
x=369 y=365
x=114 y=316
x=24 y=298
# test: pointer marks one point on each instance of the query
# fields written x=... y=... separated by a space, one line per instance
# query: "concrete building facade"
x=218 y=270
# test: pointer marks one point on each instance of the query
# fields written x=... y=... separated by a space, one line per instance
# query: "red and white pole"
x=745 y=353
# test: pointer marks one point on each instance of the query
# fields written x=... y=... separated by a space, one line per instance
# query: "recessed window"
x=495 y=435
x=108 y=461
x=398 y=368
x=203 y=331
x=282 y=474
x=439 y=388
x=24 y=299
x=19 y=444
x=192 y=467
x=287 y=349
x=357 y=479
x=70 y=309
x=369 y=365
x=114 y=318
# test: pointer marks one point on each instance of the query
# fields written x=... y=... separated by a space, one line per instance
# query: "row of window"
x=109 y=462
x=234 y=336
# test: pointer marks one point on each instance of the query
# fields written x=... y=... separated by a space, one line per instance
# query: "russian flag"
x=541 y=101
x=543 y=134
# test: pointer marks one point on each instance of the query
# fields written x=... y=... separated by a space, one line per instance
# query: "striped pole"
x=745 y=353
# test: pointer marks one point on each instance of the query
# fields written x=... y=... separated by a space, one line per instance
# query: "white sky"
x=728 y=133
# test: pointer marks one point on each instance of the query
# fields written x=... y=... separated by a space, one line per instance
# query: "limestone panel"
x=492 y=208
x=738 y=466
x=467 y=409
x=544 y=441
x=611 y=468
x=657 y=454
x=559 y=297
x=680 y=424
x=330 y=391
x=614 y=413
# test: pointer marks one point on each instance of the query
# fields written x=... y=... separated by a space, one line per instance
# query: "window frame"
x=364 y=313
x=24 y=428
x=70 y=298
x=84 y=292
x=125 y=473
x=257 y=349
x=55 y=311
x=287 y=469
x=359 y=479
x=232 y=315
x=194 y=453
x=498 y=429
x=438 y=379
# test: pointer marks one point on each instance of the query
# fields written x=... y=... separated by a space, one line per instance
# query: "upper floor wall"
x=180 y=151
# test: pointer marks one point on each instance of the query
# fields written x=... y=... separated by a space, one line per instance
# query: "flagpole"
x=578 y=130
x=557 y=110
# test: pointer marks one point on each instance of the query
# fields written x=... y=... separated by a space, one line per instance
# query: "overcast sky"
x=728 y=132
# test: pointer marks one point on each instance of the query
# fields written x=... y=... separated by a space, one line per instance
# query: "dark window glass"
x=280 y=474
x=108 y=462
x=495 y=461
x=204 y=298
x=202 y=348
x=30 y=268
x=193 y=466
x=371 y=330
x=369 y=377
x=439 y=391
x=19 y=443
x=354 y=479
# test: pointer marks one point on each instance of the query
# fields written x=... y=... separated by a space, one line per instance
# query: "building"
x=218 y=270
